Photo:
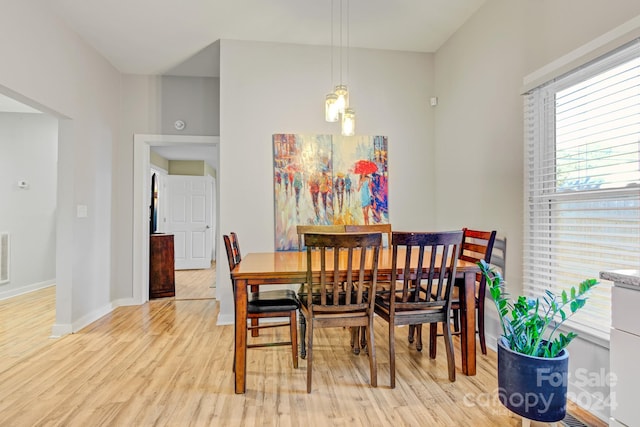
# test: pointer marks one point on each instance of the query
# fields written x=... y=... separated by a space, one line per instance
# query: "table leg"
x=240 y=300
x=468 y=324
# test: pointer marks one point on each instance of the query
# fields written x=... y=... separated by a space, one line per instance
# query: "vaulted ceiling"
x=153 y=36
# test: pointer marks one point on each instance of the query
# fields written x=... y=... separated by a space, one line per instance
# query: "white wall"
x=479 y=75
x=275 y=88
x=192 y=99
x=47 y=66
x=150 y=105
x=29 y=151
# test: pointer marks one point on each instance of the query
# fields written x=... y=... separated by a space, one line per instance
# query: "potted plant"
x=533 y=361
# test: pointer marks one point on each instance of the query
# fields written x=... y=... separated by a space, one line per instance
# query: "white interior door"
x=190 y=220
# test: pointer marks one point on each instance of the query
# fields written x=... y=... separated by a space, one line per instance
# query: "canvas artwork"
x=327 y=179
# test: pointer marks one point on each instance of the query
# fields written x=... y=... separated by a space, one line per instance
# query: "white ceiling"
x=154 y=36
x=206 y=152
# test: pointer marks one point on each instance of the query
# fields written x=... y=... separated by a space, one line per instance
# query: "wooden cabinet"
x=162 y=282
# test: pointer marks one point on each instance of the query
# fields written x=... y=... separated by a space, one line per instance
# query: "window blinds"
x=582 y=181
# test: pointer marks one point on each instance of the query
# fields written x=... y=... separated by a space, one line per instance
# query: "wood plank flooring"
x=167 y=363
x=196 y=284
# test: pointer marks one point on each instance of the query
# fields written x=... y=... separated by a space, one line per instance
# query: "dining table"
x=290 y=267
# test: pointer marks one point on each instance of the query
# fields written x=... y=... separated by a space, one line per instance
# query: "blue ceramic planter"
x=533 y=387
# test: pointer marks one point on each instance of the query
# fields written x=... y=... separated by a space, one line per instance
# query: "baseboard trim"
x=26 y=289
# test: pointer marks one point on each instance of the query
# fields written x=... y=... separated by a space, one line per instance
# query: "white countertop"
x=625 y=278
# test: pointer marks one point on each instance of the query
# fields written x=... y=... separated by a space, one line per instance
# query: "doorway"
x=141 y=197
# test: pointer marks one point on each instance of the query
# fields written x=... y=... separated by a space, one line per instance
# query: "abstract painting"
x=327 y=179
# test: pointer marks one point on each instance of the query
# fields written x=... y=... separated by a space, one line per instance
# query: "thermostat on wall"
x=179 y=124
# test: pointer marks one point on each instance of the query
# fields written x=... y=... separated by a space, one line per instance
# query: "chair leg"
x=448 y=343
x=293 y=331
x=456 y=320
x=411 y=331
x=255 y=332
x=363 y=338
x=371 y=350
x=303 y=335
x=392 y=354
x=310 y=357
x=483 y=341
x=418 y=333
x=355 y=339
x=433 y=336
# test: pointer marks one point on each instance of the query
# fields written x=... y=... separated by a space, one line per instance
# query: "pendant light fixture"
x=348 y=122
x=331 y=112
x=337 y=102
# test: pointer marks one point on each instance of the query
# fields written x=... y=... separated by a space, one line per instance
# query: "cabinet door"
x=161 y=266
x=624 y=350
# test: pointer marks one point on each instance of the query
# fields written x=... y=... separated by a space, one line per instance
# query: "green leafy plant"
x=530 y=325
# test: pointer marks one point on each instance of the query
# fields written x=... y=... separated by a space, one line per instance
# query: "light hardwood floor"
x=196 y=284
x=167 y=363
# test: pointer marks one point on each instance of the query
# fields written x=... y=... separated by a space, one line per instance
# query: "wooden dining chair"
x=340 y=286
x=476 y=245
x=302 y=229
x=267 y=304
x=423 y=269
x=385 y=229
x=499 y=255
x=358 y=337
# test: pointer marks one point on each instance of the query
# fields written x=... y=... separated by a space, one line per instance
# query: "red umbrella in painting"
x=293 y=167
x=363 y=167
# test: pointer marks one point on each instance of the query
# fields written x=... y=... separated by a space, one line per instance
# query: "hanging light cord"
x=341 y=44
x=347 y=76
x=332 y=79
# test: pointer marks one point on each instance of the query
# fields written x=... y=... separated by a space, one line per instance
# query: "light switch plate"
x=81 y=211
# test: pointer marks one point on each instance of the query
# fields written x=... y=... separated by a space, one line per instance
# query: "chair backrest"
x=412 y=253
x=235 y=245
x=231 y=253
x=303 y=229
x=342 y=270
x=499 y=254
x=478 y=245
x=372 y=228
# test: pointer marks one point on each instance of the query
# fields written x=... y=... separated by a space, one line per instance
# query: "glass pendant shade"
x=331 y=113
x=343 y=98
x=349 y=122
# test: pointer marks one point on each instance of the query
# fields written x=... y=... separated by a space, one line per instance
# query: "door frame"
x=142 y=144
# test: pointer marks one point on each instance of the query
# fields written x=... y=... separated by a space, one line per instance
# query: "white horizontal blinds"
x=582 y=207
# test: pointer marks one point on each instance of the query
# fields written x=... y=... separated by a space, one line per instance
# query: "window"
x=582 y=195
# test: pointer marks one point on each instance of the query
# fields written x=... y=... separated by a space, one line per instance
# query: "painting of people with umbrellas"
x=326 y=180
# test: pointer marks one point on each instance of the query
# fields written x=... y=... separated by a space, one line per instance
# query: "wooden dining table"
x=270 y=268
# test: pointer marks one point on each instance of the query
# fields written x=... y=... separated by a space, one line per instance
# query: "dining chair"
x=499 y=255
x=385 y=229
x=302 y=229
x=267 y=304
x=476 y=245
x=342 y=270
x=423 y=269
x=358 y=337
